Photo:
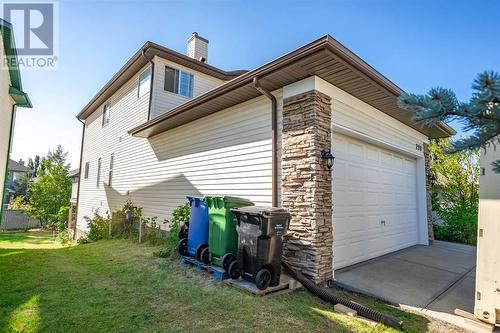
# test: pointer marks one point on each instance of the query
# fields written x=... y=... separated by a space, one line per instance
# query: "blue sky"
x=416 y=44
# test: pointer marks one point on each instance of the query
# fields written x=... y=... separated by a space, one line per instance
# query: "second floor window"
x=144 y=82
x=179 y=82
x=110 y=175
x=87 y=167
x=105 y=113
x=98 y=172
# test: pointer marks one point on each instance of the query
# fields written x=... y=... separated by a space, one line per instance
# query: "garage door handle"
x=382 y=222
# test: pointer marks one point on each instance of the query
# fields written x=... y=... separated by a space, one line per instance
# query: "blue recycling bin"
x=197 y=240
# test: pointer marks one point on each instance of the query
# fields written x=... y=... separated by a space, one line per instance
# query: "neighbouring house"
x=15 y=171
x=487 y=307
x=74 y=175
x=11 y=97
x=169 y=125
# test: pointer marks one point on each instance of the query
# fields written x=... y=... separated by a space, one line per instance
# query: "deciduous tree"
x=52 y=190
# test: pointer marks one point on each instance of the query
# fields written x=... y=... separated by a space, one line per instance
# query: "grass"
x=119 y=286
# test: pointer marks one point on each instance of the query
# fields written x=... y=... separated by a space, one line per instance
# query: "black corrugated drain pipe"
x=325 y=295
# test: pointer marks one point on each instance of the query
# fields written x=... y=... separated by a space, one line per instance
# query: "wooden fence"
x=13 y=219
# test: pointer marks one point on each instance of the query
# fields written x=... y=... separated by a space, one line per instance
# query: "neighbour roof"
x=16 y=166
x=139 y=60
x=16 y=89
x=325 y=58
x=74 y=173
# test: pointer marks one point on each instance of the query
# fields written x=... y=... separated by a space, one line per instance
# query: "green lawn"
x=119 y=286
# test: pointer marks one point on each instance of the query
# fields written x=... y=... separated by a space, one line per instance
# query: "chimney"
x=197 y=47
x=21 y=161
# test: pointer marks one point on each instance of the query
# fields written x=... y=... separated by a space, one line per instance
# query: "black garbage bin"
x=260 y=244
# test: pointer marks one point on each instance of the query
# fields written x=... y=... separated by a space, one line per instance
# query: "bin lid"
x=227 y=200
x=261 y=210
x=195 y=200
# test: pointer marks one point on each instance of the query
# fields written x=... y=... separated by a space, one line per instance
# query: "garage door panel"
x=370 y=185
x=356 y=173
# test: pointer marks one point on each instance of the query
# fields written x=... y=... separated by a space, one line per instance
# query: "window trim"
x=139 y=82
x=111 y=166
x=87 y=170
x=99 y=167
x=179 y=76
x=104 y=120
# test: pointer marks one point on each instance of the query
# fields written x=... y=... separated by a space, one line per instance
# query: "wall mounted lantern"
x=327 y=155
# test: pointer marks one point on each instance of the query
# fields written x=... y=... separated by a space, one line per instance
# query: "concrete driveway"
x=434 y=279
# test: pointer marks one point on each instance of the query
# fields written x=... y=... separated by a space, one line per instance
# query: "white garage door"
x=374 y=201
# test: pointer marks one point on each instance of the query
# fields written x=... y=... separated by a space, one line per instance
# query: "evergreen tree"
x=481 y=114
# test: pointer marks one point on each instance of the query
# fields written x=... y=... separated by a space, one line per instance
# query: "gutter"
x=7 y=161
x=274 y=141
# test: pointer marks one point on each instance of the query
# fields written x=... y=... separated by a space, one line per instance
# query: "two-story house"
x=11 y=97
x=16 y=170
x=169 y=125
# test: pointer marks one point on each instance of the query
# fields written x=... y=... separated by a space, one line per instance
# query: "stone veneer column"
x=428 y=194
x=307 y=184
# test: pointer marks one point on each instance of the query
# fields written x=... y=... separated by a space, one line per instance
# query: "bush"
x=122 y=221
x=459 y=224
x=121 y=224
x=99 y=227
x=180 y=217
x=64 y=237
x=152 y=231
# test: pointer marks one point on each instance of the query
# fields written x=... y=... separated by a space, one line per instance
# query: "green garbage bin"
x=222 y=235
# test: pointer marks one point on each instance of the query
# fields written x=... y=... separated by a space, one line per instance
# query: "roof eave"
x=139 y=60
x=20 y=97
x=16 y=87
x=324 y=43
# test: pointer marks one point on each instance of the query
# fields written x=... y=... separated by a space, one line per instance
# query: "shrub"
x=180 y=217
x=152 y=231
x=122 y=223
x=64 y=237
x=99 y=227
x=459 y=224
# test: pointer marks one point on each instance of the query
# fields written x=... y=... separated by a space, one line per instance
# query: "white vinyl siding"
x=227 y=153
x=164 y=100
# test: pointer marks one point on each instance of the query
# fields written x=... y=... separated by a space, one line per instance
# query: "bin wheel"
x=263 y=278
x=200 y=248
x=182 y=247
x=234 y=270
x=227 y=259
x=204 y=258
